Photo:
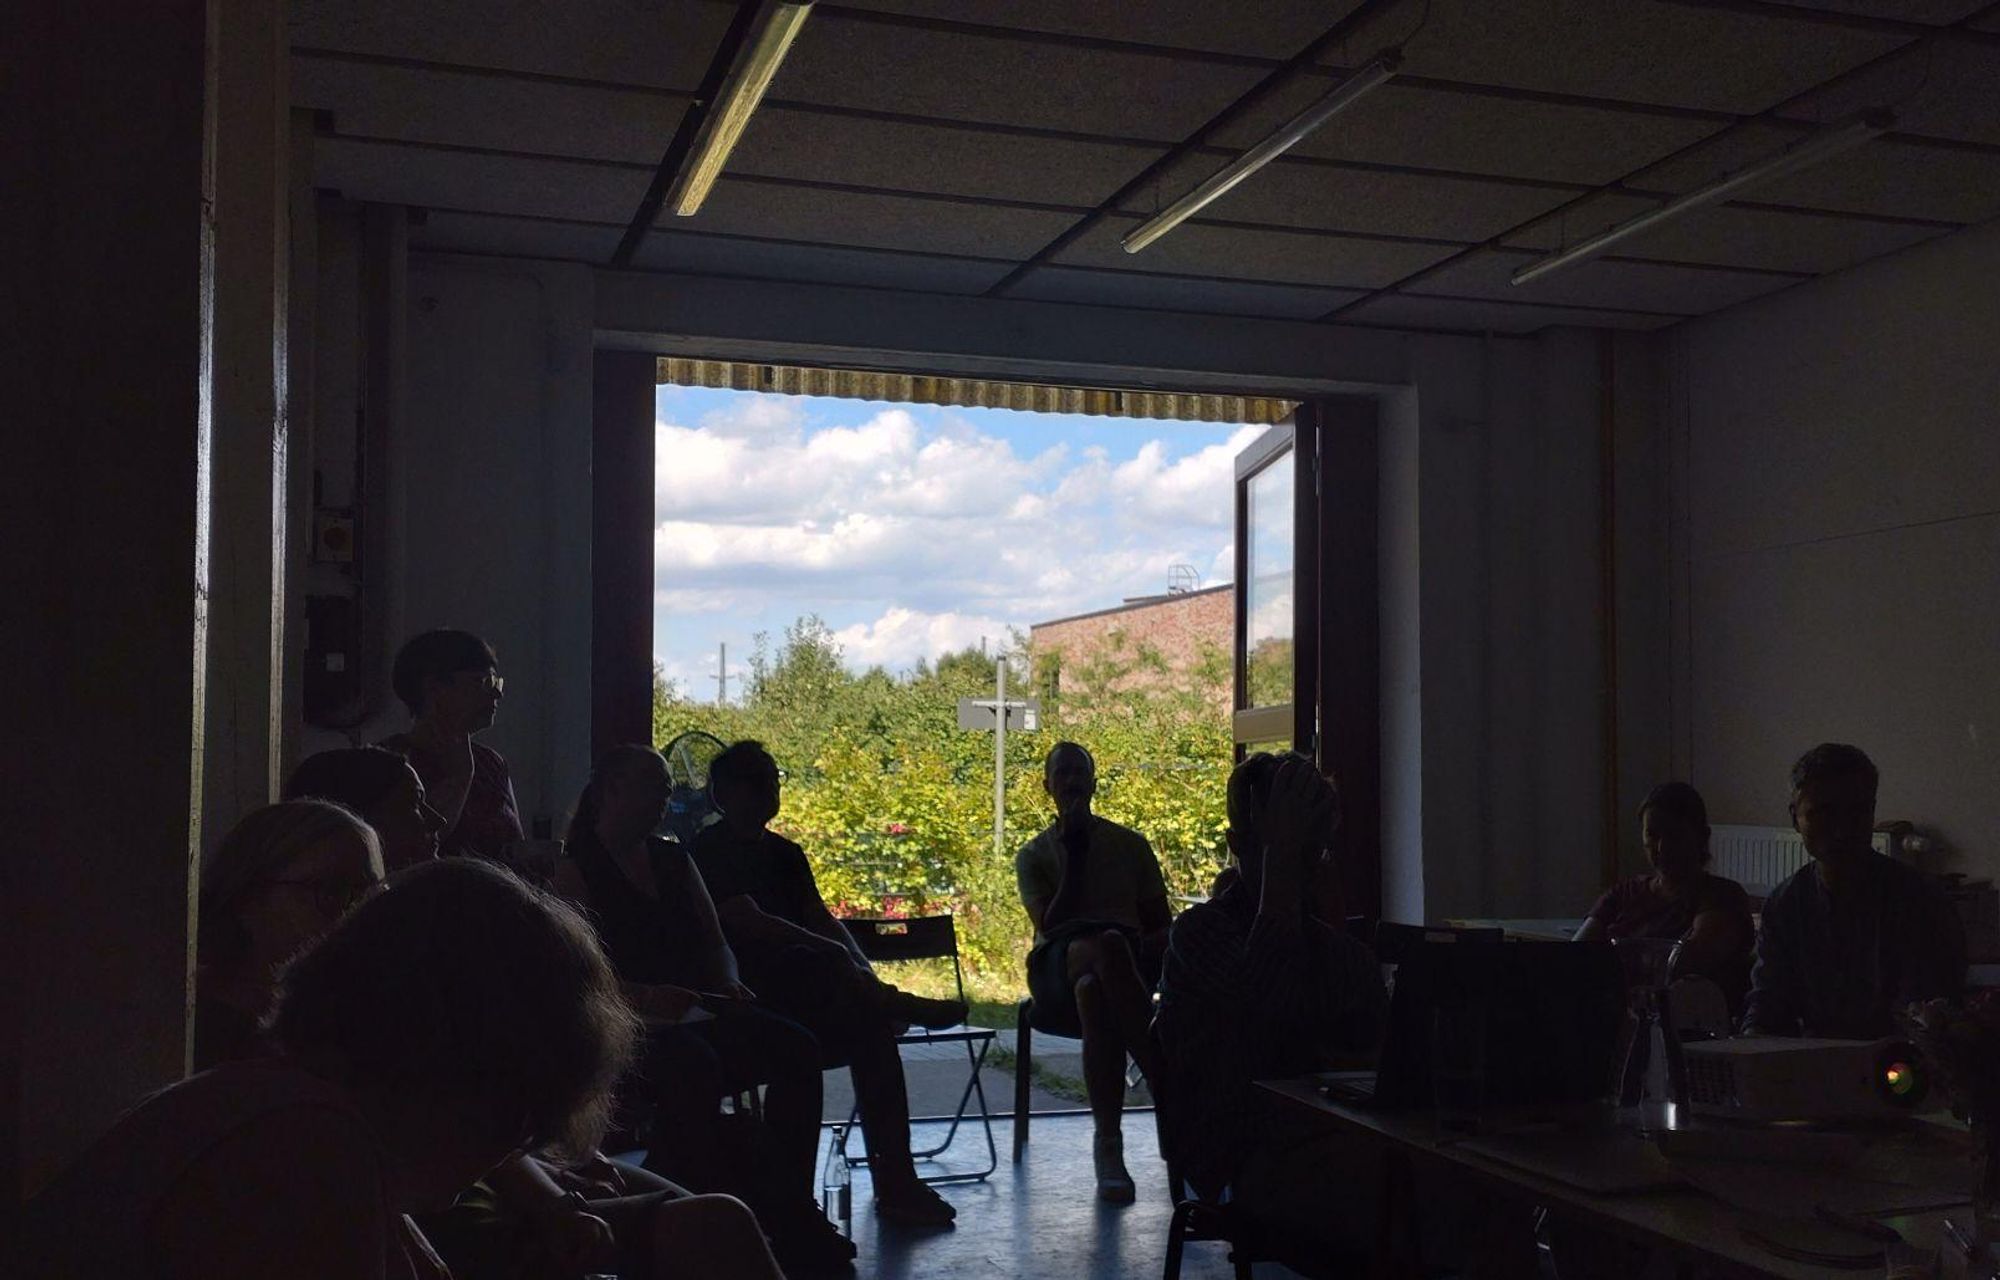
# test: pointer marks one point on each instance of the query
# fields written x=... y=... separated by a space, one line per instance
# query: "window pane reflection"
x=1268 y=593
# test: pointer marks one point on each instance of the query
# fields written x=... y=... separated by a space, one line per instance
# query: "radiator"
x=1762 y=858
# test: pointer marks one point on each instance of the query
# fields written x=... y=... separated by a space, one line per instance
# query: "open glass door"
x=1308 y=615
x=1276 y=543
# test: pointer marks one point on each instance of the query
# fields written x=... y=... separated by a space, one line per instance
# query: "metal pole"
x=1000 y=757
x=722 y=675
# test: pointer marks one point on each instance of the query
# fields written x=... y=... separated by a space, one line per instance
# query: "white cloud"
x=917 y=531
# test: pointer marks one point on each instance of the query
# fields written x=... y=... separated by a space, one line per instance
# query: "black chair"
x=1394 y=942
x=1025 y=1026
x=929 y=938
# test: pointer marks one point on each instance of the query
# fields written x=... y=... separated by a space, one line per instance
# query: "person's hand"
x=664 y=1003
x=737 y=991
x=1301 y=813
x=595 y=1178
x=575 y=1243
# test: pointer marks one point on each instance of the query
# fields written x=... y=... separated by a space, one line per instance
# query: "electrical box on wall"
x=332 y=673
x=333 y=536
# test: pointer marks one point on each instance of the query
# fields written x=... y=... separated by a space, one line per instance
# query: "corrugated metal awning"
x=908 y=388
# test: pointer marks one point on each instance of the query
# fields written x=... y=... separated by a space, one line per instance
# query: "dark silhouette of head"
x=280 y=878
x=628 y=782
x=450 y=677
x=1833 y=800
x=745 y=783
x=1673 y=824
x=1248 y=803
x=381 y=786
x=1069 y=775
x=468 y=1006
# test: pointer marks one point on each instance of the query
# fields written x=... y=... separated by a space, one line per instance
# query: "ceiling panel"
x=1945 y=91
x=1254 y=28
x=1179 y=293
x=1430 y=128
x=1358 y=200
x=911 y=157
x=488 y=111
x=888 y=222
x=957 y=77
x=514 y=237
x=1729 y=236
x=1598 y=283
x=666 y=43
x=1406 y=311
x=1633 y=50
x=696 y=254
x=481 y=183
x=1282 y=257
x=1886 y=177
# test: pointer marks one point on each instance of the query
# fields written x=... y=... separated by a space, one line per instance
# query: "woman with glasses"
x=450 y=681
x=279 y=880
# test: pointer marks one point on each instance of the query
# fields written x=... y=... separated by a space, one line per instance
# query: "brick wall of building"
x=1176 y=625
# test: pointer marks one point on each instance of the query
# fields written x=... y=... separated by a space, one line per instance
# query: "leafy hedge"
x=893 y=803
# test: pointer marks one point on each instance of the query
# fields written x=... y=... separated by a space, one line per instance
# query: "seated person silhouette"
x=384 y=790
x=1254 y=987
x=802 y=964
x=1099 y=905
x=280 y=880
x=404 y=1064
x=707 y=1036
x=1853 y=937
x=451 y=683
x=1679 y=901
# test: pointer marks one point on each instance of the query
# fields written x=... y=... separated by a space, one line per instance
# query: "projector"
x=1768 y=1078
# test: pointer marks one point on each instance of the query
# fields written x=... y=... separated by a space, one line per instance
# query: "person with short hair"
x=803 y=964
x=707 y=1033
x=1679 y=901
x=1094 y=892
x=384 y=790
x=1852 y=938
x=439 y=1027
x=450 y=680
x=277 y=882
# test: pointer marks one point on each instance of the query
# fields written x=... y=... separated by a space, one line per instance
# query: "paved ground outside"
x=937 y=1073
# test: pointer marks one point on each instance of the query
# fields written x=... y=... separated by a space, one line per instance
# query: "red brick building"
x=1180 y=626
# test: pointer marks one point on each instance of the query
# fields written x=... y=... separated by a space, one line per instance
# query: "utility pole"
x=1000 y=758
x=722 y=675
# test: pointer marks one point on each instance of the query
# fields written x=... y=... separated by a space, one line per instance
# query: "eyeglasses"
x=488 y=681
x=333 y=896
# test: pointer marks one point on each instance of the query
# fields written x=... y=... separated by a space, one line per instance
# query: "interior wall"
x=1838 y=535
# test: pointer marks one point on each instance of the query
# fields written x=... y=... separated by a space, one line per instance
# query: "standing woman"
x=279 y=880
x=451 y=682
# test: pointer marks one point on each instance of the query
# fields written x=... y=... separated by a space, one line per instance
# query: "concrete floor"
x=1040 y=1217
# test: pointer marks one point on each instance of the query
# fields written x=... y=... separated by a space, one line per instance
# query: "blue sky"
x=913 y=529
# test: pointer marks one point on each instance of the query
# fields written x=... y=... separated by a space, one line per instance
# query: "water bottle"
x=836 y=1189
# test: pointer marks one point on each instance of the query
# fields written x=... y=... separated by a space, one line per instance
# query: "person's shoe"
x=1114 y=1184
x=807 y=1242
x=921 y=1011
x=913 y=1205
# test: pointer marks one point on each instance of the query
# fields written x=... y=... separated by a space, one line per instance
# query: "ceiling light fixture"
x=1372 y=75
x=771 y=35
x=1802 y=154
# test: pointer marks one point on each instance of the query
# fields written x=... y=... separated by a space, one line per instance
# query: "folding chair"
x=929 y=938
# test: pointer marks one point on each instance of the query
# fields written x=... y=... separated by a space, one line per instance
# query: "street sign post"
x=998 y=715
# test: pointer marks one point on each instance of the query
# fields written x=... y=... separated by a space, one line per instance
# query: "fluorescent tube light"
x=1371 y=76
x=771 y=35
x=1802 y=154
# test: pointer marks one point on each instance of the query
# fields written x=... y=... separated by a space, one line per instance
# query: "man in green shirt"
x=1099 y=905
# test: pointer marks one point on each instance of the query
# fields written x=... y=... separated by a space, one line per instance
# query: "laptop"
x=1552 y=1009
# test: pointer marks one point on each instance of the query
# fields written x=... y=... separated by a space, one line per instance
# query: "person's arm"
x=1156 y=917
x=744 y=923
x=575 y=1241
x=448 y=785
x=718 y=962
x=1718 y=939
x=1036 y=889
x=1067 y=901
x=1597 y=924
x=300 y=1192
x=1777 y=977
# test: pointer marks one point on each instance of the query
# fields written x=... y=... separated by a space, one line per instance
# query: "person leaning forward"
x=1099 y=905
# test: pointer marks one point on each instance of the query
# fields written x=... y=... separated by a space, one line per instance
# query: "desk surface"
x=1687 y=1221
x=1557 y=929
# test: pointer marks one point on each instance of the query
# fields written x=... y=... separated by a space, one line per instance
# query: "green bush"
x=893 y=803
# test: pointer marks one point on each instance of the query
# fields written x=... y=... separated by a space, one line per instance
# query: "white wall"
x=1838 y=538
x=495 y=528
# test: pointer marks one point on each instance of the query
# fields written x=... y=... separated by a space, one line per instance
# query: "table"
x=1683 y=1221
